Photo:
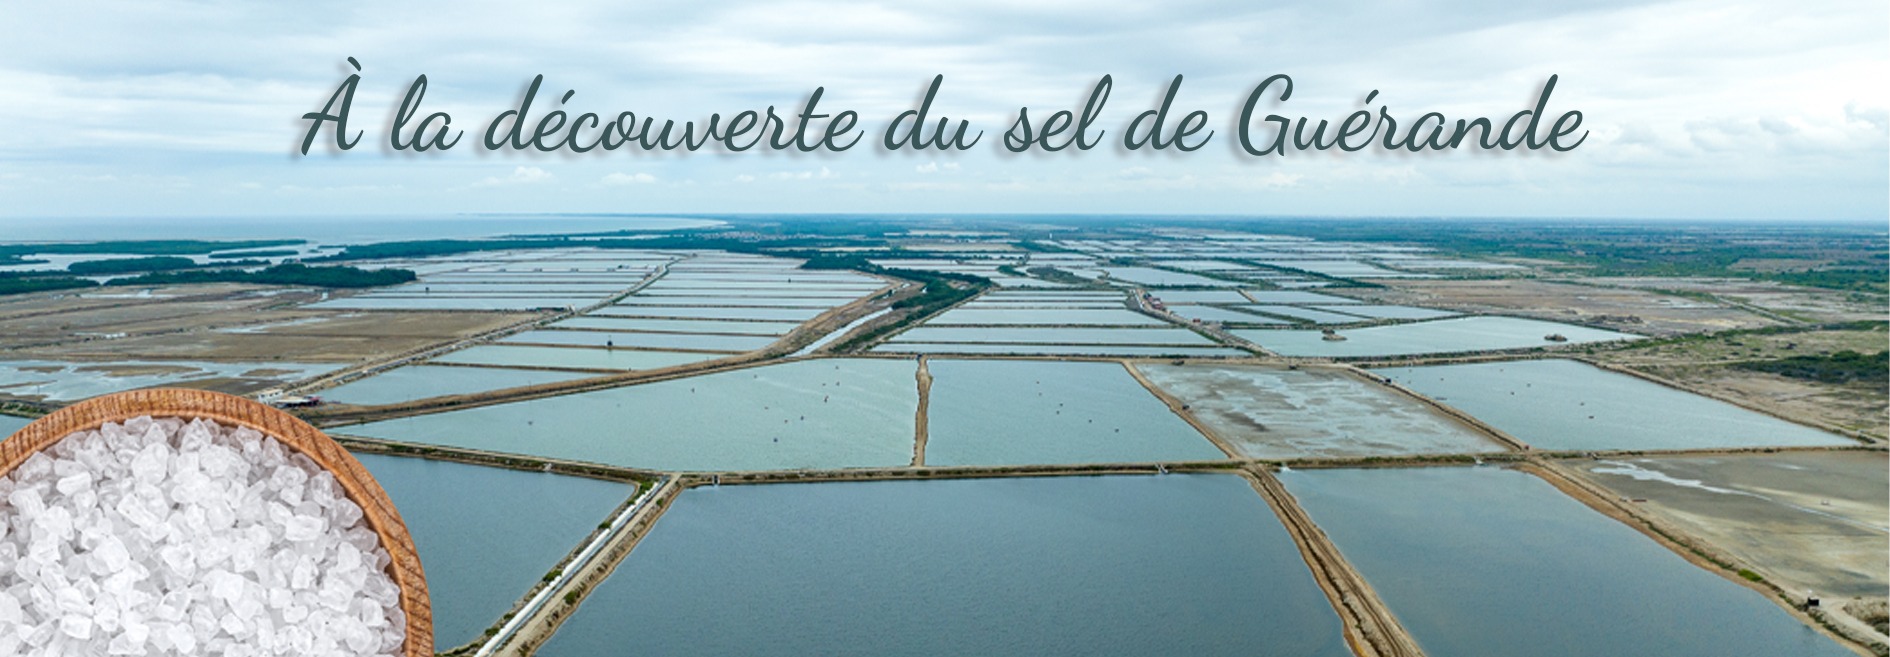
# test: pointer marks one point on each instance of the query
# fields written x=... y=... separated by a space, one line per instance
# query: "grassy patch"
x=286 y=274
x=130 y=265
x=1842 y=367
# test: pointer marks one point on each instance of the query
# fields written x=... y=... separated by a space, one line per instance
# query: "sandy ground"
x=1704 y=366
x=1802 y=303
x=1630 y=310
x=41 y=319
x=316 y=337
x=1814 y=521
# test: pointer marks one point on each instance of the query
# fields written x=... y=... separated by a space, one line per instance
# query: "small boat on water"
x=1555 y=337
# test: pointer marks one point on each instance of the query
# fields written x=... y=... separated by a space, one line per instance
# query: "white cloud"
x=1753 y=105
x=823 y=174
x=520 y=176
x=620 y=178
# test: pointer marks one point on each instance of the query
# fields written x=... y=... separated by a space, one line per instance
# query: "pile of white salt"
x=167 y=537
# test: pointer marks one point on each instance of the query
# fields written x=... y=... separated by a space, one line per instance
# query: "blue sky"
x=1731 y=109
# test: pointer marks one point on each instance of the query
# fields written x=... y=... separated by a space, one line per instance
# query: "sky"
x=1748 y=109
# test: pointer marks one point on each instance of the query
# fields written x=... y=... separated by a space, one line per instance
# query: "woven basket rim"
x=229 y=410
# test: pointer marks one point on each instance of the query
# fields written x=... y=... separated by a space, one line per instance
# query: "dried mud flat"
x=1275 y=412
x=301 y=336
x=68 y=317
x=1807 y=521
x=1809 y=304
x=1635 y=311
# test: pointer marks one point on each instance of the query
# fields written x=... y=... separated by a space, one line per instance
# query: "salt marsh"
x=68 y=381
x=703 y=312
x=572 y=358
x=995 y=412
x=1305 y=314
x=1055 y=335
x=607 y=323
x=1482 y=333
x=827 y=413
x=1175 y=565
x=619 y=339
x=405 y=384
x=1177 y=351
x=1222 y=315
x=1278 y=413
x=1490 y=561
x=1044 y=317
x=1569 y=405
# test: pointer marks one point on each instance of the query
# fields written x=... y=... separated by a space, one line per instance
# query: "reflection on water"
x=1143 y=565
x=1488 y=561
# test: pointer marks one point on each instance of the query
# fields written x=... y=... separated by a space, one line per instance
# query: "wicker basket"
x=293 y=433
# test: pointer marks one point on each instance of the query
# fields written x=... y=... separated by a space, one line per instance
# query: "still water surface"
x=825 y=413
x=1570 y=405
x=425 y=381
x=1125 y=565
x=1492 y=562
x=486 y=535
x=1007 y=412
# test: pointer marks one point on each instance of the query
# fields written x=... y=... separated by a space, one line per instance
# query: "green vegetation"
x=130 y=265
x=1806 y=352
x=1854 y=257
x=238 y=255
x=161 y=263
x=1750 y=576
x=785 y=246
x=9 y=285
x=1842 y=367
x=139 y=247
x=428 y=248
x=285 y=274
x=942 y=289
x=1056 y=275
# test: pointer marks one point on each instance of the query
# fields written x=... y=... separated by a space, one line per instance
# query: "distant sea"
x=328 y=229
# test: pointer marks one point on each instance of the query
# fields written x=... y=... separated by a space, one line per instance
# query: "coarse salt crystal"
x=165 y=537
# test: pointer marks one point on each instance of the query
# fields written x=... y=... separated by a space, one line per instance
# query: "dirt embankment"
x=537 y=629
x=920 y=420
x=1370 y=627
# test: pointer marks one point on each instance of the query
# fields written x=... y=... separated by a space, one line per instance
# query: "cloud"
x=520 y=176
x=1756 y=105
x=823 y=174
x=1279 y=180
x=620 y=179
